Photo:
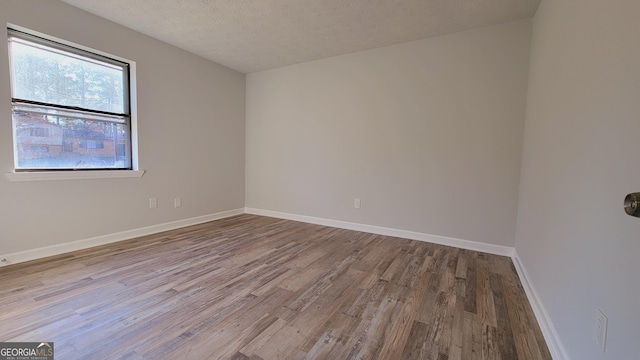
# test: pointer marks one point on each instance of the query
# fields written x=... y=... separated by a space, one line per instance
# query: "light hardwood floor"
x=251 y=287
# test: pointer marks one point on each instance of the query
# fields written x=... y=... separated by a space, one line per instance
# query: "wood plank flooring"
x=251 y=287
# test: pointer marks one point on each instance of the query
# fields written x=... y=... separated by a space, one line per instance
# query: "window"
x=70 y=101
x=91 y=144
x=39 y=132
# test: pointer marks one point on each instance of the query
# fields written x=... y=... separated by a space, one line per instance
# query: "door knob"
x=631 y=204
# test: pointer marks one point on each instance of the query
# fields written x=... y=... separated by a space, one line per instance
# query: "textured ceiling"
x=253 y=35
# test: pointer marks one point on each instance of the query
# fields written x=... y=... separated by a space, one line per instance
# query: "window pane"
x=48 y=75
x=56 y=142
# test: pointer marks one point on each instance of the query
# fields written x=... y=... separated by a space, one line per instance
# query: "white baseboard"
x=57 y=249
x=436 y=239
x=544 y=320
x=548 y=330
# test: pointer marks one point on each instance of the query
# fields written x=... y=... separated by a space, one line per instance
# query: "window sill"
x=73 y=175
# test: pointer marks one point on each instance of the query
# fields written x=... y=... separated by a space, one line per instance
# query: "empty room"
x=330 y=179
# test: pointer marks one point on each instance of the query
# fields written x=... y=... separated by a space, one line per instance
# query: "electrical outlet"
x=177 y=202
x=356 y=203
x=601 y=329
x=153 y=203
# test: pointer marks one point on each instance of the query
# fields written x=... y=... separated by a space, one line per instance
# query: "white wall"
x=581 y=157
x=427 y=134
x=191 y=143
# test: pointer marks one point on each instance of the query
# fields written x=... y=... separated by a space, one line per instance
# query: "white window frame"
x=37 y=175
